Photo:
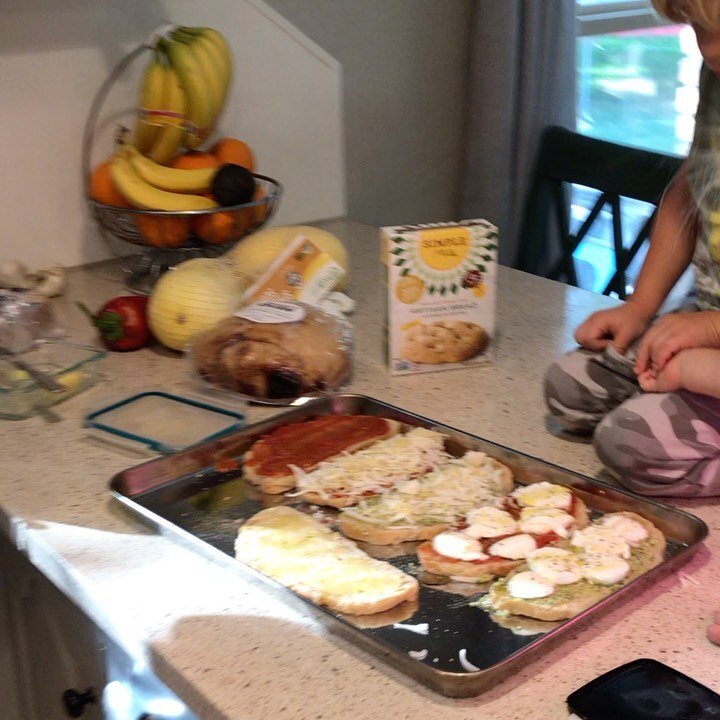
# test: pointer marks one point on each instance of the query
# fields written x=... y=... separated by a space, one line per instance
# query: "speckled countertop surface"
x=233 y=651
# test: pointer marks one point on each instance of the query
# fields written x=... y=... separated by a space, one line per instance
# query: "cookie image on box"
x=444 y=341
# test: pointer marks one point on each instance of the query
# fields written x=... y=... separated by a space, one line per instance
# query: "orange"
x=164 y=232
x=195 y=159
x=218 y=228
x=102 y=187
x=257 y=213
x=230 y=150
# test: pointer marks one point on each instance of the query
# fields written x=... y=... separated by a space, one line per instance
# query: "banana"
x=199 y=109
x=215 y=45
x=222 y=63
x=211 y=75
x=151 y=97
x=141 y=194
x=173 y=179
x=170 y=134
x=224 y=53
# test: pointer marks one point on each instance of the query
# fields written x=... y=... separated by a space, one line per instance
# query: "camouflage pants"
x=654 y=443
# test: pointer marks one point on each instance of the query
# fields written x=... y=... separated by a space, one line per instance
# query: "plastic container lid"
x=163 y=422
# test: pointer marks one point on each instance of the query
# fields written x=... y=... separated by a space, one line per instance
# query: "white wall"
x=404 y=84
x=54 y=54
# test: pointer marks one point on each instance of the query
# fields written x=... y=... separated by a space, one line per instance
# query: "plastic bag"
x=275 y=351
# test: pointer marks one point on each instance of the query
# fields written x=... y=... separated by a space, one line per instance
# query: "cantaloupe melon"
x=254 y=254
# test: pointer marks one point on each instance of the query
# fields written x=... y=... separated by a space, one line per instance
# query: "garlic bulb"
x=13 y=274
x=51 y=282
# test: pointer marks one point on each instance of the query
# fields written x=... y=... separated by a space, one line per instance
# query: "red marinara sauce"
x=306 y=444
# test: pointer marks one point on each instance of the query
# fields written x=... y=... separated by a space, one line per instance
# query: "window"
x=637 y=84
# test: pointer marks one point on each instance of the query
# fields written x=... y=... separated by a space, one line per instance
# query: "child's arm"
x=696 y=370
x=672 y=242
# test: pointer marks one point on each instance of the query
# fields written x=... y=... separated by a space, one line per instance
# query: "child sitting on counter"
x=650 y=390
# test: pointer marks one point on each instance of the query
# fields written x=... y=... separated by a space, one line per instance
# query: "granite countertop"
x=233 y=651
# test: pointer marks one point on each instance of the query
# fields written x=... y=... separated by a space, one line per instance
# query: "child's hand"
x=666 y=380
x=620 y=325
x=676 y=332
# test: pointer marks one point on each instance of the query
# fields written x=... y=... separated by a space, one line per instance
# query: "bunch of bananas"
x=148 y=185
x=183 y=92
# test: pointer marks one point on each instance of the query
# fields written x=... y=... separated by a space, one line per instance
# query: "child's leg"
x=664 y=444
x=579 y=392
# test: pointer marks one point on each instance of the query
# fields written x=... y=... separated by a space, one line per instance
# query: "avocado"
x=233 y=185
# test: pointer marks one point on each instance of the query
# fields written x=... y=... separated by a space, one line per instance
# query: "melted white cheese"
x=515 y=547
x=560 y=567
x=631 y=531
x=527 y=585
x=598 y=540
x=604 y=569
x=545 y=495
x=544 y=520
x=459 y=546
x=489 y=522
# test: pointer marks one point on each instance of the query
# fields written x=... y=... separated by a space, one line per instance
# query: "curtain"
x=522 y=78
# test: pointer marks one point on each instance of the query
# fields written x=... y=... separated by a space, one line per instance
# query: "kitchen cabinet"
x=55 y=663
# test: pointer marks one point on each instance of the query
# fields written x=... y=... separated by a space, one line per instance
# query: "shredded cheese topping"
x=438 y=498
x=375 y=469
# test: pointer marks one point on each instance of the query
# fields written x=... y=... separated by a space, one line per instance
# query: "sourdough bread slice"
x=422 y=508
x=308 y=444
x=319 y=564
x=570 y=600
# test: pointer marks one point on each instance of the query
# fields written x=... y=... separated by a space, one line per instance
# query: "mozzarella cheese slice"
x=545 y=495
x=515 y=547
x=459 y=546
x=528 y=585
x=489 y=522
x=597 y=540
x=631 y=531
x=555 y=565
x=604 y=569
x=544 y=520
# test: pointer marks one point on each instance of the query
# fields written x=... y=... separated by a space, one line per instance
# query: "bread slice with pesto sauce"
x=569 y=600
x=319 y=564
x=420 y=509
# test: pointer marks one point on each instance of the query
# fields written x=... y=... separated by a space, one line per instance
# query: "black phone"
x=645 y=690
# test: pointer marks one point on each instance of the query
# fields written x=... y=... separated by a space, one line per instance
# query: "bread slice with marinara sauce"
x=270 y=461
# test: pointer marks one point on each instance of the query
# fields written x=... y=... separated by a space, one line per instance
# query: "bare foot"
x=713 y=631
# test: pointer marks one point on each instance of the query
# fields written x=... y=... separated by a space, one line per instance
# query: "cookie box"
x=440 y=295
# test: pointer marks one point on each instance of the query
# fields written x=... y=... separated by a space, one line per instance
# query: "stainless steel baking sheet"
x=185 y=496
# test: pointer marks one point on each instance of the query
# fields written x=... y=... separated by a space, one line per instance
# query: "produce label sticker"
x=440 y=295
x=303 y=272
x=269 y=312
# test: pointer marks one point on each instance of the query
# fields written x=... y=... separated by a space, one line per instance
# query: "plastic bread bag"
x=24 y=318
x=275 y=352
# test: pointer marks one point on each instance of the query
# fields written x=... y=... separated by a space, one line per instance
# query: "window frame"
x=615 y=16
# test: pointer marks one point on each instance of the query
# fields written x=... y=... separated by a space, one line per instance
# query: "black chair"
x=546 y=245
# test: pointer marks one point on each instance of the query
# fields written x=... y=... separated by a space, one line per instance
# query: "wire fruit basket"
x=164 y=238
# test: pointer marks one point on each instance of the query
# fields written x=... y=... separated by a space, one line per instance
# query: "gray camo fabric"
x=661 y=444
